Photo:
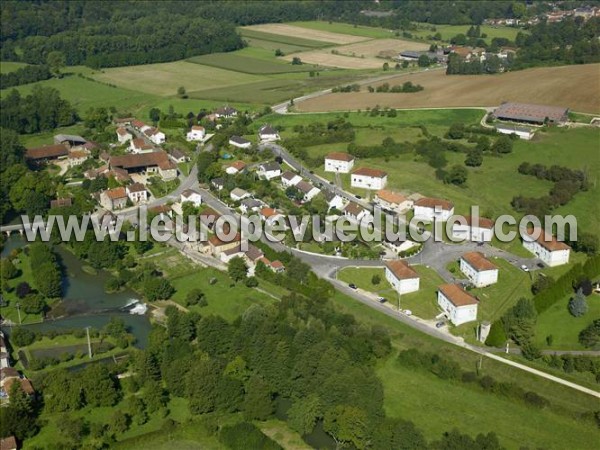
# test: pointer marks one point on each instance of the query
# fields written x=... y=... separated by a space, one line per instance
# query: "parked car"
x=382 y=300
x=352 y=286
x=440 y=324
x=358 y=197
x=408 y=312
x=541 y=265
x=524 y=268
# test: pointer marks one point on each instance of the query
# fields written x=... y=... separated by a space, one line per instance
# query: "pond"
x=85 y=303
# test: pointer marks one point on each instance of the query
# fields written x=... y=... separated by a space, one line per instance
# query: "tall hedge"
x=497 y=336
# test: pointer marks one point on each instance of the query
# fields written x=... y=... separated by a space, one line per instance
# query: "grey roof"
x=239 y=192
x=251 y=203
x=69 y=138
x=304 y=186
x=189 y=192
x=218 y=181
x=270 y=166
x=267 y=129
x=253 y=252
x=329 y=195
x=531 y=113
x=288 y=175
x=177 y=153
x=513 y=128
x=226 y=111
x=239 y=140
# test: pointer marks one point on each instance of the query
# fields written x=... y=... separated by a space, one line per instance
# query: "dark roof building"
x=528 y=113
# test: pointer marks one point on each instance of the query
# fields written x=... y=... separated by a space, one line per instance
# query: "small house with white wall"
x=239 y=142
x=238 y=194
x=192 y=196
x=249 y=205
x=308 y=190
x=333 y=200
x=392 y=201
x=235 y=167
x=480 y=270
x=290 y=179
x=137 y=193
x=355 y=212
x=123 y=135
x=155 y=135
x=458 y=305
x=401 y=276
x=546 y=247
x=522 y=132
x=399 y=245
x=225 y=112
x=269 y=170
x=368 y=178
x=476 y=229
x=139 y=145
x=339 y=162
x=431 y=209
x=196 y=133
x=267 y=133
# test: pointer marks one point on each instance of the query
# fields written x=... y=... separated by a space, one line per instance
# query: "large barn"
x=528 y=113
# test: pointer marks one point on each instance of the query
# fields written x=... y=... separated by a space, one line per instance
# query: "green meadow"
x=345 y=28
x=449 y=31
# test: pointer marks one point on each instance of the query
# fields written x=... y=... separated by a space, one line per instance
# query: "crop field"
x=379 y=48
x=345 y=28
x=272 y=45
x=326 y=58
x=304 y=33
x=253 y=33
x=565 y=85
x=165 y=78
x=246 y=64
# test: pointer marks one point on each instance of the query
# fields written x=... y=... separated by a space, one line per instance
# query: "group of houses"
x=9 y=375
x=72 y=149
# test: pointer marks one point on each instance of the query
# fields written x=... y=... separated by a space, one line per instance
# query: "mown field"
x=305 y=33
x=236 y=62
x=345 y=28
x=567 y=86
x=281 y=38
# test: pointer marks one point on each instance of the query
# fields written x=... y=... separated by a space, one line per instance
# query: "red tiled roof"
x=340 y=156
x=277 y=265
x=478 y=262
x=268 y=212
x=433 y=202
x=390 y=196
x=47 y=151
x=368 y=172
x=401 y=269
x=483 y=222
x=122 y=131
x=8 y=443
x=216 y=242
x=136 y=187
x=238 y=165
x=548 y=241
x=457 y=295
x=160 y=159
x=116 y=193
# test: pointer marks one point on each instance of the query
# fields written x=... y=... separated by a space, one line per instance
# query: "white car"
x=408 y=312
x=524 y=268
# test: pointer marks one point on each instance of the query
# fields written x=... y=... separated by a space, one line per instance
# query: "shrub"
x=497 y=336
x=578 y=304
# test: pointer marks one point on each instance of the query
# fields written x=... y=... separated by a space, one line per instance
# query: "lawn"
x=436 y=406
x=271 y=46
x=10 y=312
x=10 y=66
x=362 y=278
x=564 y=328
x=237 y=62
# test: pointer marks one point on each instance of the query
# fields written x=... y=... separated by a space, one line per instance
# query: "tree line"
x=24 y=75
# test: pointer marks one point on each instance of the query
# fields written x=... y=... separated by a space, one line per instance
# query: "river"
x=85 y=303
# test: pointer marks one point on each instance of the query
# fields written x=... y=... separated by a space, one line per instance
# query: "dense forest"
x=109 y=34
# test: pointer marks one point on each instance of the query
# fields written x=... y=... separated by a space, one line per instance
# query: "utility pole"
x=87 y=329
x=18 y=305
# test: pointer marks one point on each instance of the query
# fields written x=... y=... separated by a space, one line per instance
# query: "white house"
x=123 y=135
x=194 y=197
x=523 y=133
x=235 y=167
x=218 y=183
x=367 y=178
x=155 y=135
x=339 y=162
x=267 y=133
x=546 y=247
x=309 y=190
x=433 y=208
x=460 y=306
x=478 y=229
x=178 y=156
x=290 y=179
x=239 y=142
x=269 y=170
x=401 y=276
x=197 y=133
x=480 y=270
x=77 y=157
x=139 y=145
x=398 y=245
x=137 y=193
x=225 y=112
x=250 y=204
x=355 y=212
x=392 y=201
x=238 y=194
x=333 y=200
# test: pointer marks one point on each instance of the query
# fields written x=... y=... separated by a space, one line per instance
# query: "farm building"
x=149 y=163
x=529 y=113
x=368 y=178
x=47 y=152
x=401 y=276
x=522 y=132
x=546 y=247
x=480 y=270
x=460 y=306
x=69 y=139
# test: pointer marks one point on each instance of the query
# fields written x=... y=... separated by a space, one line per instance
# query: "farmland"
x=380 y=48
x=326 y=58
x=285 y=39
x=238 y=63
x=565 y=85
x=449 y=31
x=304 y=33
x=345 y=28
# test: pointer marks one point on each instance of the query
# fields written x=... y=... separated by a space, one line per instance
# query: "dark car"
x=358 y=197
x=352 y=286
x=541 y=265
x=440 y=324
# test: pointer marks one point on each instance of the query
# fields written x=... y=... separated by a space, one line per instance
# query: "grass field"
x=378 y=48
x=564 y=328
x=239 y=63
x=292 y=31
x=326 y=58
x=565 y=85
x=449 y=31
x=271 y=46
x=9 y=66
